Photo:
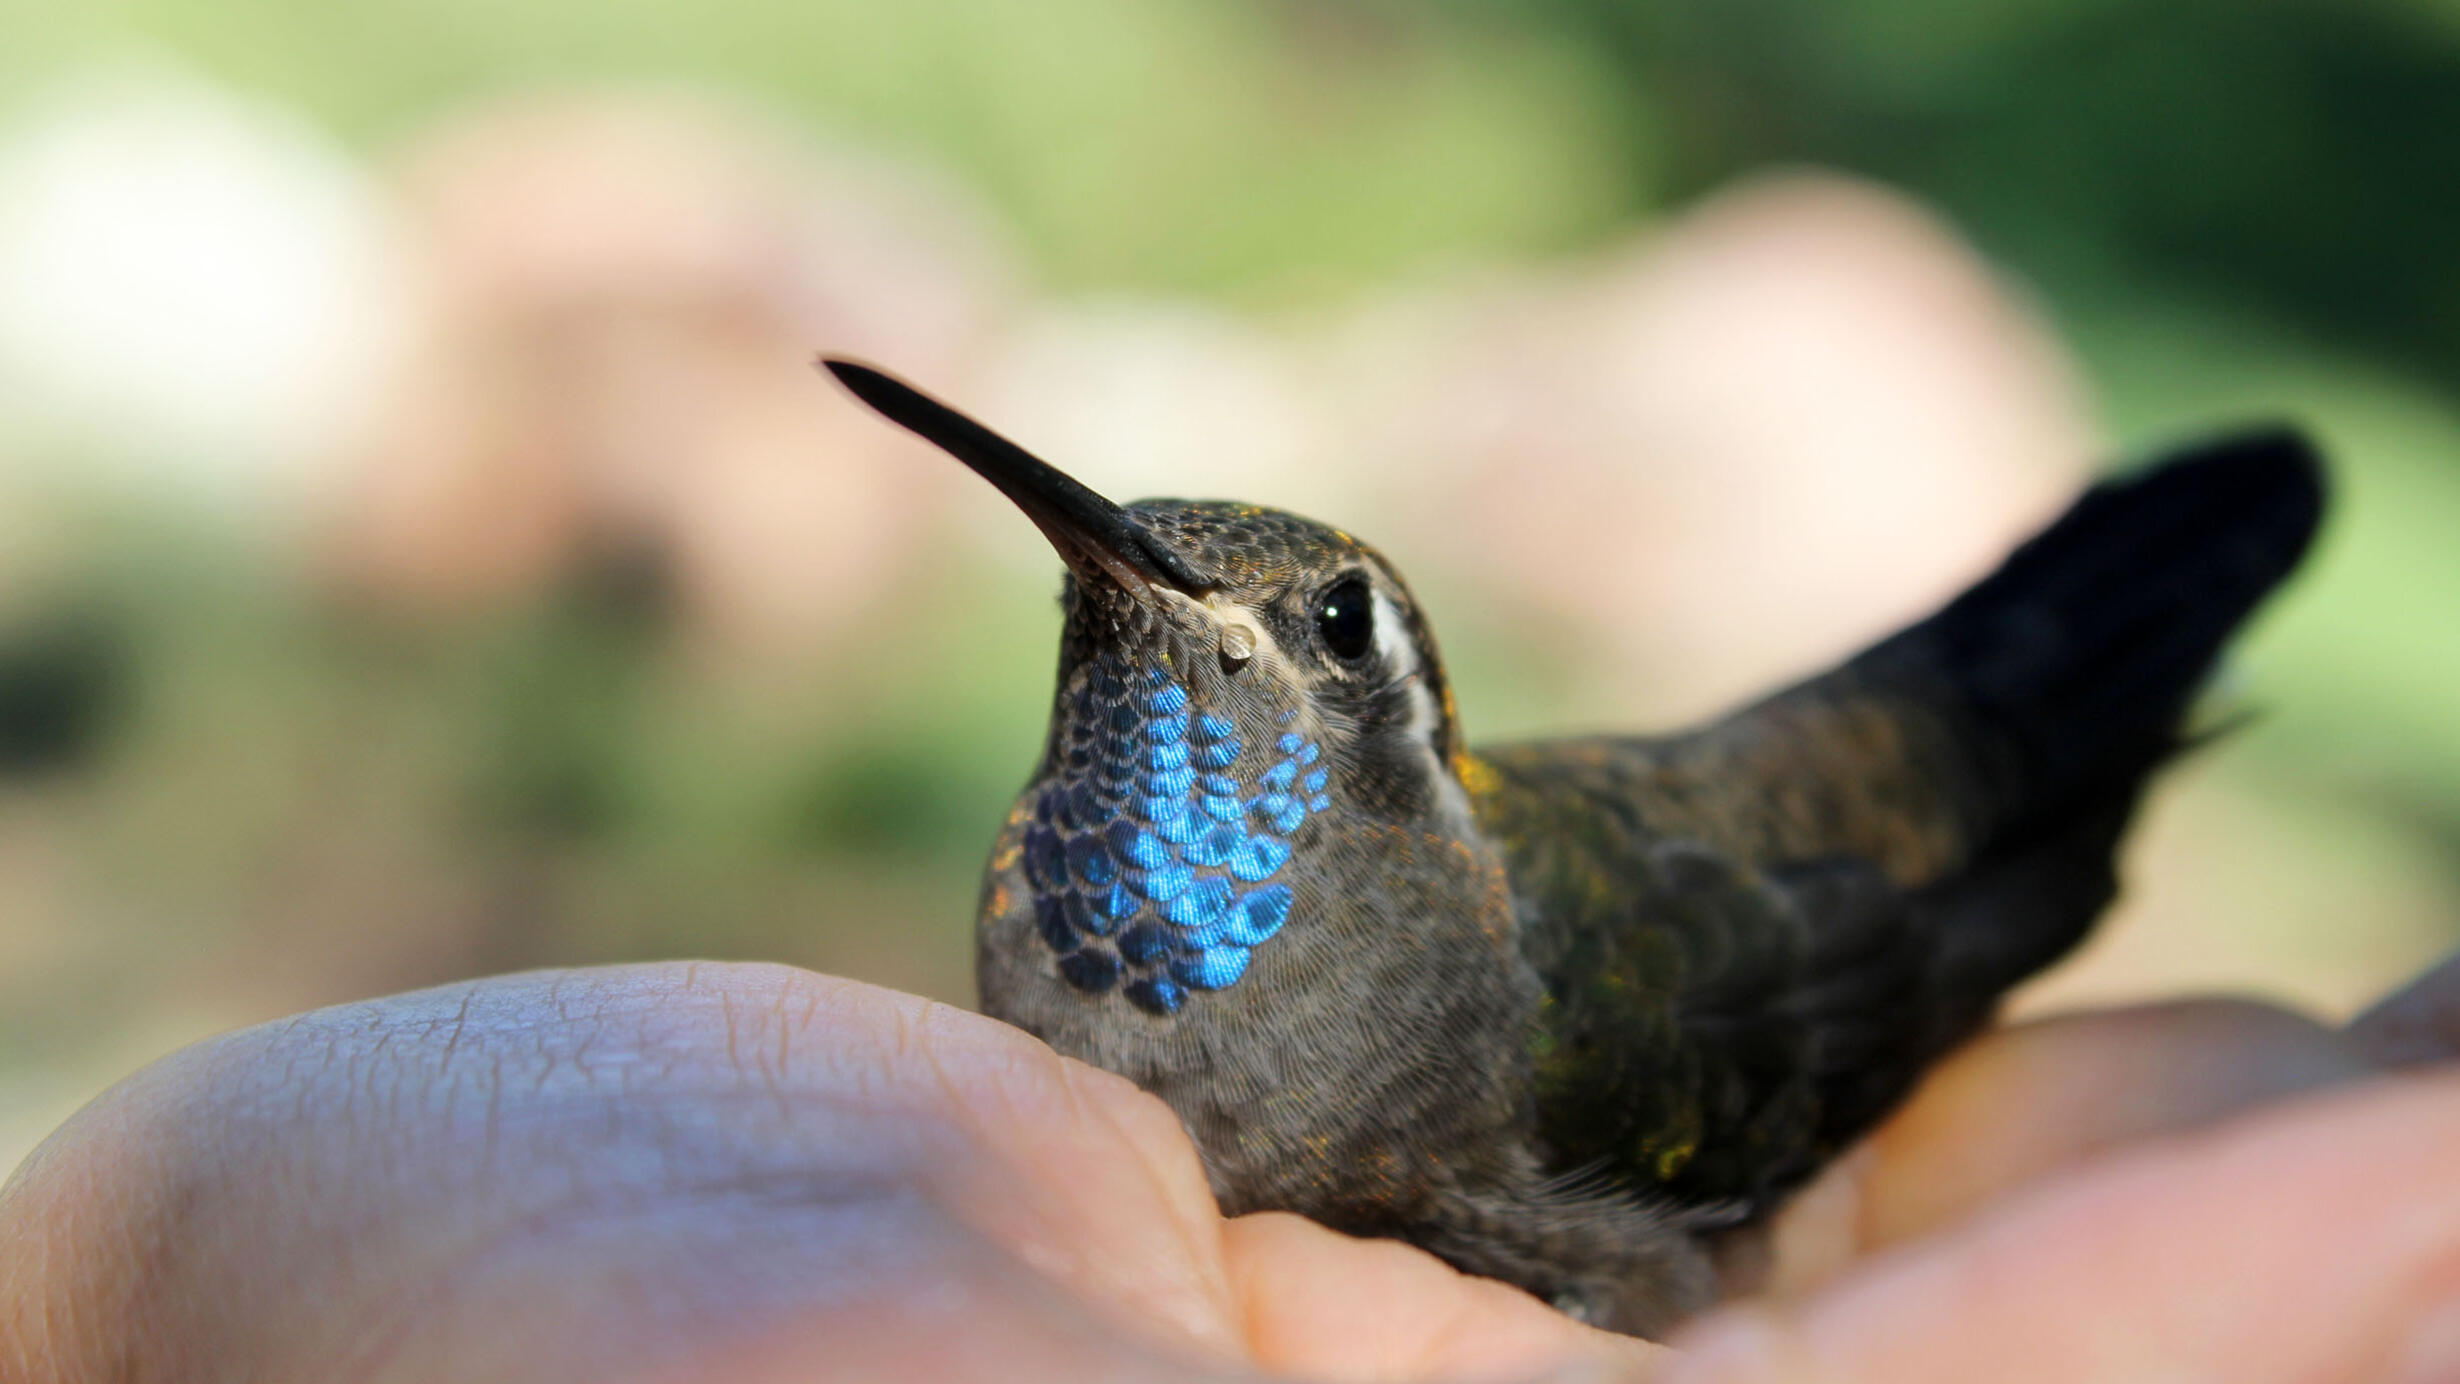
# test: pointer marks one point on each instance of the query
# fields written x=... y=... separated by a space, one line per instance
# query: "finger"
x=1325 y=1306
x=633 y=1173
x=2417 y=1024
x=2021 y=1102
x=2035 y=1097
x=2316 y=1240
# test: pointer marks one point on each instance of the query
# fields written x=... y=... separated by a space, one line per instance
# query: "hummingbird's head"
x=1234 y=681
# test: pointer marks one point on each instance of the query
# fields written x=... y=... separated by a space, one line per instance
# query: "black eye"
x=1345 y=616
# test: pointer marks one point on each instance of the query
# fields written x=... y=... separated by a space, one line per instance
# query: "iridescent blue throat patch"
x=1153 y=851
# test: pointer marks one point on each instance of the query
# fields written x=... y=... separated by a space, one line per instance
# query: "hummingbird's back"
x=1757 y=935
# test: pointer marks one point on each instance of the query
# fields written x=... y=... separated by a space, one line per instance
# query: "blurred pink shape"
x=1795 y=418
x=1799 y=416
x=1148 y=398
x=622 y=299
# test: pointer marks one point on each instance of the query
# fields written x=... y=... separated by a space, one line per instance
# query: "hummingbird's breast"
x=1161 y=834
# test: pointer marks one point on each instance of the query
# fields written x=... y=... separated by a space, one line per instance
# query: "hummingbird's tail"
x=2062 y=681
x=2074 y=663
x=1836 y=883
x=1833 y=886
x=2070 y=672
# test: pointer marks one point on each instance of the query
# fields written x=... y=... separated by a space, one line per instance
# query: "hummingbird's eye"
x=1345 y=617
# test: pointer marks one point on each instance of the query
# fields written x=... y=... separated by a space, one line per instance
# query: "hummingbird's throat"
x=1158 y=840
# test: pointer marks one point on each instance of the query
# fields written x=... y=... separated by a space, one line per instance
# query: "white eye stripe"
x=1392 y=637
x=1400 y=654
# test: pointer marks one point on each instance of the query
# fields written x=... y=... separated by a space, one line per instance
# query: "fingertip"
x=1329 y=1306
x=2316 y=1240
x=1739 y=1345
x=2021 y=1102
x=2415 y=1025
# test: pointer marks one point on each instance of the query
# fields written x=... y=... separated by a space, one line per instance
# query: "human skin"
x=750 y=1173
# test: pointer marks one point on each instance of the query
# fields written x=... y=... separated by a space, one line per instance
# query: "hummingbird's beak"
x=1093 y=535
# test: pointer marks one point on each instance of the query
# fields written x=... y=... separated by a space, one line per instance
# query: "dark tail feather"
x=2068 y=671
x=2073 y=665
x=2062 y=680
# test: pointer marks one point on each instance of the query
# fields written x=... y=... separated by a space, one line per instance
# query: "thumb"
x=2315 y=1240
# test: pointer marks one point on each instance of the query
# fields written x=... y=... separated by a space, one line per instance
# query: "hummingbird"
x=1565 y=1013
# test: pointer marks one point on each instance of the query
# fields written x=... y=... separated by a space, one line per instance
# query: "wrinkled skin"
x=750 y=1173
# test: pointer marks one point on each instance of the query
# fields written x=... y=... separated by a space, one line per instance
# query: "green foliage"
x=2231 y=209
x=63 y=680
x=2287 y=156
x=1208 y=144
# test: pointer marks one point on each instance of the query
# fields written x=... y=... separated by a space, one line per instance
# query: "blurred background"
x=426 y=551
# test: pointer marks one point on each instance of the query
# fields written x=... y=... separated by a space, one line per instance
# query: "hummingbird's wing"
x=1717 y=1025
x=1755 y=936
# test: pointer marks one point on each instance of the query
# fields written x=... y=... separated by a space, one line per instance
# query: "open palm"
x=750 y=1173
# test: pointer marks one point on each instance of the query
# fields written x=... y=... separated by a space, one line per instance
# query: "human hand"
x=750 y=1173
